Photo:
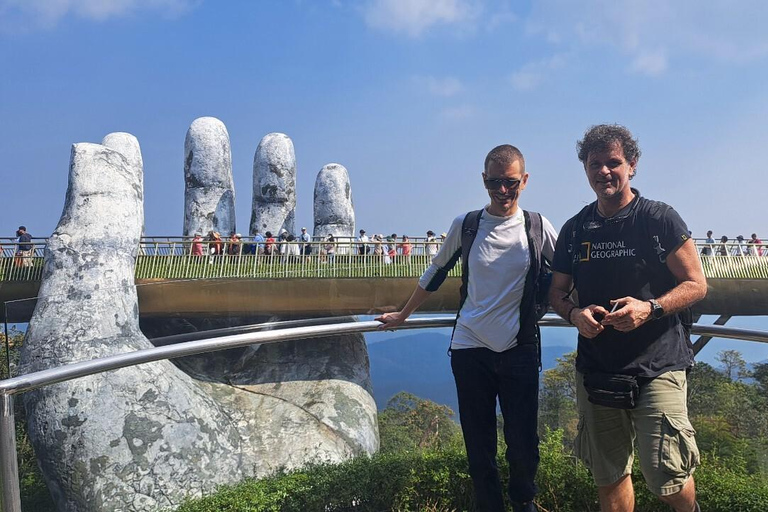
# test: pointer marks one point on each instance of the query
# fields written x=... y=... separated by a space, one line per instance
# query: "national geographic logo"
x=584 y=253
x=605 y=250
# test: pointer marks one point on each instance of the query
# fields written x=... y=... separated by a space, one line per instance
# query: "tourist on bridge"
x=197 y=245
x=291 y=249
x=392 y=247
x=636 y=273
x=305 y=239
x=739 y=248
x=258 y=243
x=722 y=249
x=495 y=344
x=215 y=244
x=362 y=244
x=377 y=248
x=708 y=249
x=755 y=246
x=431 y=244
x=281 y=240
x=406 y=248
x=25 y=249
x=235 y=245
x=330 y=248
x=269 y=244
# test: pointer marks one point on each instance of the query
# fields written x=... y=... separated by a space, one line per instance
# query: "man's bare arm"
x=692 y=287
x=685 y=265
x=583 y=318
x=390 y=320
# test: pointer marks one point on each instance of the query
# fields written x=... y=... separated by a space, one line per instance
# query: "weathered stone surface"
x=209 y=193
x=333 y=208
x=145 y=437
x=128 y=146
x=274 y=185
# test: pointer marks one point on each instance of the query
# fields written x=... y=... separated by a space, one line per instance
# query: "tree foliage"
x=734 y=365
x=410 y=423
x=557 y=398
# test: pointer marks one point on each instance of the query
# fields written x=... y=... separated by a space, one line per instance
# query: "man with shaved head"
x=495 y=344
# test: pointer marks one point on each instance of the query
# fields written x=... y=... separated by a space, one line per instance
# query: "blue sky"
x=409 y=95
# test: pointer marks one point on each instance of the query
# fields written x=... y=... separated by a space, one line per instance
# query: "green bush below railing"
x=439 y=481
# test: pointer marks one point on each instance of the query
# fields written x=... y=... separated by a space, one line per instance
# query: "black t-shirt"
x=24 y=240
x=625 y=255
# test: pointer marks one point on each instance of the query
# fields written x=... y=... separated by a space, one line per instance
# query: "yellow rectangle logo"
x=586 y=248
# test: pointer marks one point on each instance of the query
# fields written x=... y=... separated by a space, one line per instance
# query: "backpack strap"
x=469 y=227
x=577 y=228
x=529 y=332
x=534 y=228
x=468 y=233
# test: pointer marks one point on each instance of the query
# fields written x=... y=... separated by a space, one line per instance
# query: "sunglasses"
x=496 y=183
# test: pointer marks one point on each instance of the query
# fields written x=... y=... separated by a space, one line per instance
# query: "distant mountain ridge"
x=419 y=364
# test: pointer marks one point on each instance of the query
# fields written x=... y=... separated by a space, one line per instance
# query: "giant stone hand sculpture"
x=209 y=192
x=145 y=437
x=274 y=185
x=333 y=206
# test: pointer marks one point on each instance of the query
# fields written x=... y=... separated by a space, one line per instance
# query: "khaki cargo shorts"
x=665 y=437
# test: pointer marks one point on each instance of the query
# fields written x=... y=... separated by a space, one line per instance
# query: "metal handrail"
x=9 y=472
x=35 y=380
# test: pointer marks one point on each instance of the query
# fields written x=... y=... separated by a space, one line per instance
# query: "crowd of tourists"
x=737 y=247
x=290 y=247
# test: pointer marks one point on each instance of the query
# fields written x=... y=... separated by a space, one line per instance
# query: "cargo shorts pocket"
x=581 y=444
x=679 y=454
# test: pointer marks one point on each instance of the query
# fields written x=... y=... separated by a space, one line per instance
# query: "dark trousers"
x=513 y=376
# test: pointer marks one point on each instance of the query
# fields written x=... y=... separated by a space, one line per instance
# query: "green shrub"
x=439 y=481
x=564 y=483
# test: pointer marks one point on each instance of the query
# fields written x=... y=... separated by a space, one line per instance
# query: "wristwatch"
x=656 y=310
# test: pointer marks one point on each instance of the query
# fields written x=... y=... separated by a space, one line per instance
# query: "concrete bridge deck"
x=172 y=282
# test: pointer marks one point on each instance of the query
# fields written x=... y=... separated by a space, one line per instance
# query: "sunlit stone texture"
x=128 y=146
x=333 y=207
x=274 y=185
x=146 y=437
x=209 y=193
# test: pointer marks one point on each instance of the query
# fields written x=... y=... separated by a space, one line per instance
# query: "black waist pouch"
x=612 y=390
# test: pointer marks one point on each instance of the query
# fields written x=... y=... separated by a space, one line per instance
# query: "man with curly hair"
x=635 y=273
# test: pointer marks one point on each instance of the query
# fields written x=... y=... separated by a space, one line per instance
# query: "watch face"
x=657 y=310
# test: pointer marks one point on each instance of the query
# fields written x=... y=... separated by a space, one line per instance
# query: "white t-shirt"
x=498 y=264
x=431 y=246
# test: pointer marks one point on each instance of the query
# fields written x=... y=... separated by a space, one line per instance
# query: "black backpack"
x=535 y=302
x=539 y=276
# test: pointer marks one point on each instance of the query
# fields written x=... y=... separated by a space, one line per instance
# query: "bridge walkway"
x=331 y=279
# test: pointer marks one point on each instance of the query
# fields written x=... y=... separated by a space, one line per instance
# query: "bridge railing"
x=9 y=469
x=183 y=258
x=190 y=260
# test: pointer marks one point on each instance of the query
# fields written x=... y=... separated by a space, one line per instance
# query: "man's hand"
x=630 y=314
x=587 y=320
x=391 y=320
